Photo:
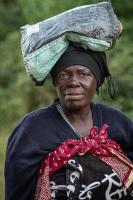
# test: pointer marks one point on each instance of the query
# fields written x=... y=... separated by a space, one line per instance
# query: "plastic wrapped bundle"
x=92 y=26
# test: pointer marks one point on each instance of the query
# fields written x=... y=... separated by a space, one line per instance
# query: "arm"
x=23 y=158
x=128 y=147
x=121 y=128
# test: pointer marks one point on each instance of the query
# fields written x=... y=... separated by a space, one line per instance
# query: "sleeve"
x=23 y=158
x=123 y=132
x=129 y=140
x=121 y=128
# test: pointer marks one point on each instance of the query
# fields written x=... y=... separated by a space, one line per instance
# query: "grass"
x=3 y=141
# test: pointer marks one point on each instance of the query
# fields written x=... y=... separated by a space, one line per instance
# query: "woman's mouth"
x=74 y=96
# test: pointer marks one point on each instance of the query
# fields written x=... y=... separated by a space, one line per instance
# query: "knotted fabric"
x=97 y=144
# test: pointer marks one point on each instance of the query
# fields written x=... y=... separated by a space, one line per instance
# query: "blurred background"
x=18 y=95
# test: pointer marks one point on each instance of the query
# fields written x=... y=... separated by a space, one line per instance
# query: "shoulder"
x=34 y=122
x=38 y=115
x=113 y=117
x=112 y=112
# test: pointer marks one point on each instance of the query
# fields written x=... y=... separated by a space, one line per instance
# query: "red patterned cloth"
x=97 y=144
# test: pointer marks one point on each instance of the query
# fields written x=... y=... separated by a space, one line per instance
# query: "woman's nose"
x=74 y=81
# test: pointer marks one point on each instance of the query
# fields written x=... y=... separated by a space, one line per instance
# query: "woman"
x=69 y=139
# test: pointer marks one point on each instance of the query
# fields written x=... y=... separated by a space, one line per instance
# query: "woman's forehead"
x=76 y=68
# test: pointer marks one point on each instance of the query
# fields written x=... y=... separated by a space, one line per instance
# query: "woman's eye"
x=63 y=76
x=84 y=74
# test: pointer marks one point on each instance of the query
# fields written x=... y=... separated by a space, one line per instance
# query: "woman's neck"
x=80 y=119
x=83 y=114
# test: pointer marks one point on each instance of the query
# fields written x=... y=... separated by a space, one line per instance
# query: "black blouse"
x=42 y=131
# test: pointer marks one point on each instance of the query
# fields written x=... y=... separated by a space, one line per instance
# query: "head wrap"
x=77 y=55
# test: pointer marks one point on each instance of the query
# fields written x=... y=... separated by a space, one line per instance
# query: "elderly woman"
x=83 y=150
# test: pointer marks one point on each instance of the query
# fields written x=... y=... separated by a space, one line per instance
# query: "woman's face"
x=75 y=86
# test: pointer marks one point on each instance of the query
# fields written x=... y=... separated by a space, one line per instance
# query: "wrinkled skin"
x=75 y=86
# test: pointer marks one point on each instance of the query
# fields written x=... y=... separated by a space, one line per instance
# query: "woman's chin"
x=74 y=104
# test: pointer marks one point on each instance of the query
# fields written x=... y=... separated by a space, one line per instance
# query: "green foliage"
x=3 y=138
x=18 y=95
x=123 y=8
x=34 y=11
x=10 y=17
x=10 y=68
